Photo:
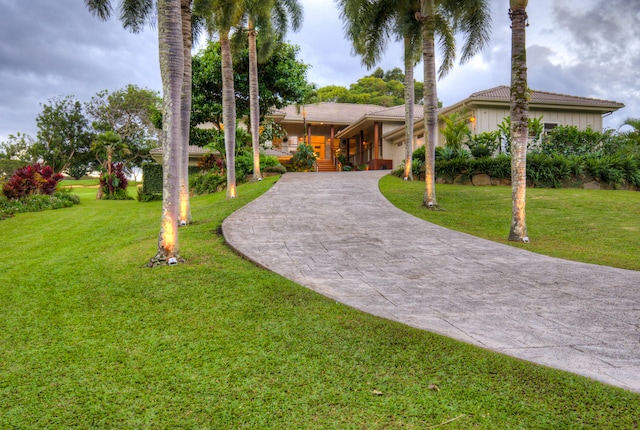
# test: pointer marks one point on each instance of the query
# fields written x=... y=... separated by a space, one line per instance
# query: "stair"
x=326 y=166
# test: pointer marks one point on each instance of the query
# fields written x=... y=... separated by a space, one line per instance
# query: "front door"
x=319 y=145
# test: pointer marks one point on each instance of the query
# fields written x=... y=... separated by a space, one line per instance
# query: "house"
x=373 y=136
x=486 y=109
x=353 y=130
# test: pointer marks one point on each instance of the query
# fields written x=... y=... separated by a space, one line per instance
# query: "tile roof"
x=503 y=93
x=337 y=113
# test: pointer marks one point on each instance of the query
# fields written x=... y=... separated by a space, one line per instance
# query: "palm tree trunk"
x=430 y=101
x=519 y=121
x=253 y=102
x=185 y=114
x=409 y=103
x=172 y=71
x=228 y=112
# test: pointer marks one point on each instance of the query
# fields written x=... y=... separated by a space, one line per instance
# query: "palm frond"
x=100 y=8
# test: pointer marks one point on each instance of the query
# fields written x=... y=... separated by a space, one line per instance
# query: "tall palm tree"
x=444 y=18
x=221 y=16
x=519 y=120
x=270 y=18
x=134 y=14
x=370 y=25
x=185 y=112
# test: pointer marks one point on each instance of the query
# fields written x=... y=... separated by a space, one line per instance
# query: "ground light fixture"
x=173 y=261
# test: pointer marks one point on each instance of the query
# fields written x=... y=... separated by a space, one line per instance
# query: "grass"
x=90 y=338
x=593 y=226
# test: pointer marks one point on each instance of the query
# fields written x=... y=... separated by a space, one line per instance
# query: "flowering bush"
x=31 y=179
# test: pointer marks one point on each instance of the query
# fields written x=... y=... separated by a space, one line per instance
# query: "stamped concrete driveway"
x=336 y=234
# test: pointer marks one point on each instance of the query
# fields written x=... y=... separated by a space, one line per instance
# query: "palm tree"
x=267 y=16
x=444 y=18
x=519 y=120
x=185 y=112
x=370 y=25
x=220 y=17
x=134 y=14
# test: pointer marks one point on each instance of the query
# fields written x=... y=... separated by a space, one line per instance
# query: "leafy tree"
x=18 y=147
x=282 y=82
x=129 y=113
x=63 y=132
x=519 y=120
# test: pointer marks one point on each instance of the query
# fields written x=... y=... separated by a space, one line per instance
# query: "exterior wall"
x=488 y=118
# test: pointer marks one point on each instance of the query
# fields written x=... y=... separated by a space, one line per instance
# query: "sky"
x=56 y=48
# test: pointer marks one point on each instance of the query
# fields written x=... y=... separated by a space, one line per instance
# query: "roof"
x=502 y=95
x=327 y=112
x=395 y=113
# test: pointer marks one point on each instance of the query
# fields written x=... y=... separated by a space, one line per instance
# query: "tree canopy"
x=282 y=82
x=384 y=88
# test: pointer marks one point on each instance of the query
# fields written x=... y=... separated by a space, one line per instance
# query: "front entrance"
x=319 y=145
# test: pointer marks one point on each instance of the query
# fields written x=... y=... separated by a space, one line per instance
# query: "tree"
x=63 y=132
x=107 y=146
x=221 y=16
x=519 y=120
x=370 y=25
x=134 y=14
x=282 y=83
x=444 y=18
x=18 y=147
x=263 y=15
x=129 y=113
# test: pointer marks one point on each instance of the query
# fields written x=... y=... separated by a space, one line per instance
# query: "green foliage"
x=420 y=154
x=450 y=152
x=452 y=167
x=569 y=140
x=456 y=131
x=282 y=81
x=483 y=144
x=7 y=167
x=304 y=159
x=130 y=113
x=37 y=203
x=499 y=167
x=547 y=170
x=152 y=178
x=380 y=88
x=207 y=182
x=63 y=131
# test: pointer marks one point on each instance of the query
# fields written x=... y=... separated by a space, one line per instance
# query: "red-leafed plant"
x=113 y=183
x=31 y=179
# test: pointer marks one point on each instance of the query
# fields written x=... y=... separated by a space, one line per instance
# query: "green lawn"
x=594 y=226
x=90 y=338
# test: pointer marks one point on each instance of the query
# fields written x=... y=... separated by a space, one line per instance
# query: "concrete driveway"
x=336 y=234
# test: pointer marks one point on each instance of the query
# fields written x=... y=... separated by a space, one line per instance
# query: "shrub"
x=483 y=144
x=547 y=170
x=568 y=140
x=304 y=159
x=31 y=179
x=207 y=182
x=37 y=202
x=420 y=154
x=452 y=168
x=114 y=184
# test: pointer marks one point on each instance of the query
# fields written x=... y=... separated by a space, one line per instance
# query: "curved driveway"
x=336 y=234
